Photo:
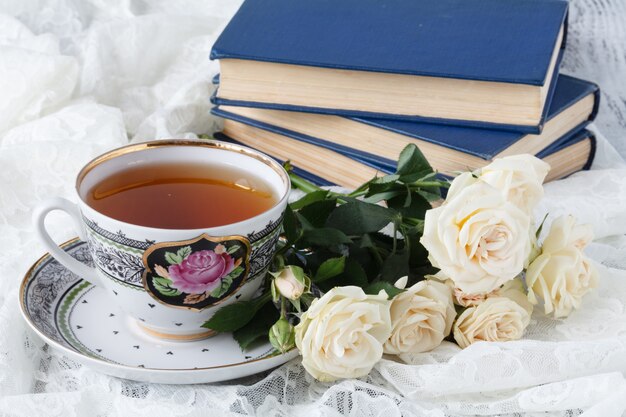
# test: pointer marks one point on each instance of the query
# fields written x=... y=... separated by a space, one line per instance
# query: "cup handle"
x=39 y=216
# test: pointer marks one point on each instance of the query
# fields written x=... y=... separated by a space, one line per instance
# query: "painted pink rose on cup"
x=201 y=271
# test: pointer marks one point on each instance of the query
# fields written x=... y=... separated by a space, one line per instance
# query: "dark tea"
x=181 y=196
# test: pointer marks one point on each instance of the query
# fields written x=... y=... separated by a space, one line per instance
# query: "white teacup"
x=130 y=260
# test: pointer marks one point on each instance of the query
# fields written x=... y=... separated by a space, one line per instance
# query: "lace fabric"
x=79 y=78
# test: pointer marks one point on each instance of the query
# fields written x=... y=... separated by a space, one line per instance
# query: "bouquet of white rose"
x=475 y=266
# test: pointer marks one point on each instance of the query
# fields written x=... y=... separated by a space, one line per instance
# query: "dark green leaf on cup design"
x=163 y=285
x=173 y=258
x=358 y=218
x=233 y=249
x=375 y=288
x=330 y=268
x=184 y=252
x=227 y=281
x=235 y=316
x=256 y=330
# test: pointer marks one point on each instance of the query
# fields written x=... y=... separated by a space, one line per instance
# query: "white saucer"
x=77 y=319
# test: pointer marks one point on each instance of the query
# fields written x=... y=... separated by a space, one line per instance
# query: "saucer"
x=77 y=319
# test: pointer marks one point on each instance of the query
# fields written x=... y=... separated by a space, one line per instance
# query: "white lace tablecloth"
x=80 y=77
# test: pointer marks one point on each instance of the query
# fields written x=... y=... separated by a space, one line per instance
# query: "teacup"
x=126 y=255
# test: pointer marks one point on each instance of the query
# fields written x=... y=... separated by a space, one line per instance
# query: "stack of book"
x=340 y=87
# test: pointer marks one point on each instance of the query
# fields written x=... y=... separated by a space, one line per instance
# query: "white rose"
x=421 y=317
x=499 y=318
x=342 y=334
x=561 y=275
x=468 y=300
x=290 y=282
x=459 y=297
x=560 y=279
x=471 y=300
x=477 y=238
x=519 y=177
x=565 y=233
x=461 y=182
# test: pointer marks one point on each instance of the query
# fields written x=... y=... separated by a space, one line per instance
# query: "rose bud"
x=290 y=282
x=282 y=335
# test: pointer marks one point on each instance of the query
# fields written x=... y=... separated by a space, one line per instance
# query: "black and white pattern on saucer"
x=53 y=280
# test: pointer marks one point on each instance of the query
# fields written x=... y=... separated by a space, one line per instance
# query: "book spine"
x=596 y=104
x=592 y=153
x=565 y=28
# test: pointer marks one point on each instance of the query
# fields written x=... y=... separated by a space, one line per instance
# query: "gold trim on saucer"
x=178 y=337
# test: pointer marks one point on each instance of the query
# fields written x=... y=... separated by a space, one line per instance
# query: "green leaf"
x=395 y=266
x=234 y=316
x=257 y=328
x=540 y=228
x=388 y=185
x=430 y=195
x=236 y=271
x=376 y=188
x=375 y=198
x=308 y=199
x=317 y=213
x=304 y=223
x=325 y=236
x=357 y=218
x=233 y=249
x=184 y=252
x=173 y=258
x=330 y=268
x=415 y=209
x=361 y=188
x=291 y=226
x=367 y=242
x=412 y=162
x=375 y=288
x=163 y=286
x=227 y=281
x=354 y=274
x=391 y=178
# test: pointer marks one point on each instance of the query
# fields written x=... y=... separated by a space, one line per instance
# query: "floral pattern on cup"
x=196 y=273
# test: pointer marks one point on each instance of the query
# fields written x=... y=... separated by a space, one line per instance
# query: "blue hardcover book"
x=569 y=154
x=475 y=62
x=448 y=148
